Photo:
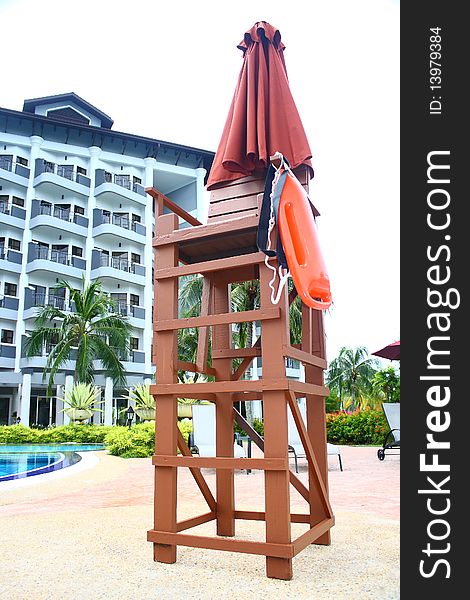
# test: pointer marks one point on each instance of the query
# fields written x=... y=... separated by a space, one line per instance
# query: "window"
x=3 y=198
x=134 y=299
x=7 y=336
x=136 y=218
x=14 y=244
x=136 y=179
x=22 y=161
x=134 y=343
x=135 y=258
x=17 y=201
x=81 y=171
x=11 y=289
x=76 y=251
x=79 y=210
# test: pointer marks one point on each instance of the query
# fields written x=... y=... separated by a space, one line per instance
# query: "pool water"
x=25 y=460
x=16 y=463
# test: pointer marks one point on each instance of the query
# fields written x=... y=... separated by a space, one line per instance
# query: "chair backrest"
x=243 y=197
x=204 y=424
x=239 y=198
x=392 y=414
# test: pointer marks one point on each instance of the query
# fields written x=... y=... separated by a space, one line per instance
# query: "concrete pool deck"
x=83 y=535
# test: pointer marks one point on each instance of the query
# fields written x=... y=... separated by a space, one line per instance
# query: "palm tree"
x=95 y=330
x=387 y=382
x=351 y=373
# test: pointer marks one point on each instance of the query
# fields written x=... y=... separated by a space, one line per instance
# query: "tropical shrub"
x=136 y=442
x=357 y=428
x=139 y=440
x=84 y=434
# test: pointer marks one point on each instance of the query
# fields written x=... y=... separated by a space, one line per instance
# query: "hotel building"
x=73 y=205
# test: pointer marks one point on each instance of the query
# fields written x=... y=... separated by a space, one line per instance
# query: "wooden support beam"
x=230 y=545
x=312 y=461
x=312 y=534
x=250 y=515
x=166 y=307
x=211 y=266
x=218 y=319
x=301 y=388
x=203 y=335
x=221 y=462
x=196 y=473
x=184 y=390
x=237 y=352
x=175 y=208
x=304 y=357
x=193 y=368
x=195 y=521
x=299 y=486
x=246 y=362
x=248 y=429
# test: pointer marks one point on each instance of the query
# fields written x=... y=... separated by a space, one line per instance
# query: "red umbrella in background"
x=392 y=351
x=263 y=118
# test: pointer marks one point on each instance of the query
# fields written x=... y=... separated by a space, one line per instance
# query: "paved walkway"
x=90 y=528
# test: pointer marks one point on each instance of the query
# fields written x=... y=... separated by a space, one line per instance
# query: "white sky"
x=167 y=70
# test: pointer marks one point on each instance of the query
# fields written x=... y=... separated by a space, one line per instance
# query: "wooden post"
x=225 y=491
x=313 y=342
x=166 y=352
x=274 y=334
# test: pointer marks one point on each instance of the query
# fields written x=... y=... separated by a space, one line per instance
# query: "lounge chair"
x=392 y=439
x=295 y=443
x=202 y=439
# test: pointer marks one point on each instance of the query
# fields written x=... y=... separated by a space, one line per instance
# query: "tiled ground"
x=83 y=536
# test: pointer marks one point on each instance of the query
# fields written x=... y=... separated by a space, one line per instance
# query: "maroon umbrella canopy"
x=392 y=351
x=263 y=118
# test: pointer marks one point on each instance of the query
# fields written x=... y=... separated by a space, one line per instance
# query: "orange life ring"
x=301 y=245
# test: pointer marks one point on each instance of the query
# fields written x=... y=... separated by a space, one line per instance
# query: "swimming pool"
x=25 y=460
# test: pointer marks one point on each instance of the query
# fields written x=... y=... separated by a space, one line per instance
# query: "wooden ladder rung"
x=219 y=319
x=222 y=462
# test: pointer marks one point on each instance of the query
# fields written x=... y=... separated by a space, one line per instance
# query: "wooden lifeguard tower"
x=224 y=252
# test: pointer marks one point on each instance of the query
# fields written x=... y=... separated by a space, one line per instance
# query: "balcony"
x=7 y=356
x=58 y=261
x=105 y=223
x=39 y=361
x=10 y=260
x=111 y=267
x=13 y=215
x=33 y=300
x=111 y=187
x=13 y=172
x=136 y=314
x=54 y=178
x=53 y=217
x=9 y=308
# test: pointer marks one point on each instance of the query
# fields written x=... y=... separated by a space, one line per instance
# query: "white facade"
x=73 y=205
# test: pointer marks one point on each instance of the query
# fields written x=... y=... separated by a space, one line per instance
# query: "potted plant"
x=80 y=402
x=144 y=401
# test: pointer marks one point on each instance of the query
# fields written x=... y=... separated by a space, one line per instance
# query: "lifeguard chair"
x=224 y=252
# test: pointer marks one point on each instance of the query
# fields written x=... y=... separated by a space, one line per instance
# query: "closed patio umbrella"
x=263 y=118
x=392 y=351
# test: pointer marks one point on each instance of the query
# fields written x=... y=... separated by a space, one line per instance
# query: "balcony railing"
x=65 y=171
x=6 y=163
x=5 y=208
x=62 y=257
x=129 y=309
x=119 y=220
x=43 y=299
